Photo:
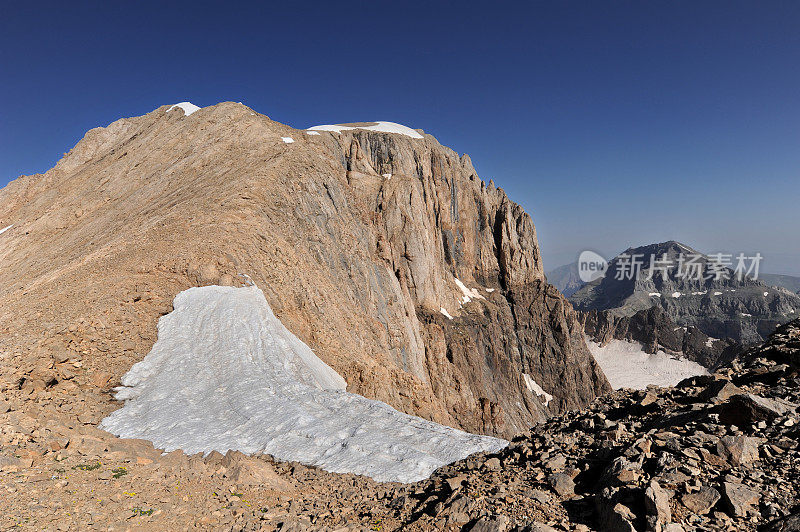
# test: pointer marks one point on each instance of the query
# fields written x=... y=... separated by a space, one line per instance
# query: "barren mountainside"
x=365 y=244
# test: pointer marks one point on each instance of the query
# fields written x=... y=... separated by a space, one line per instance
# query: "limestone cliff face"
x=358 y=239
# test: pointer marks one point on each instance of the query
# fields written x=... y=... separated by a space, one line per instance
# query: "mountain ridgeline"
x=415 y=280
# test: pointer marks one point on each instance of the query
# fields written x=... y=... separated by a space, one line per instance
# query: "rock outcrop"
x=365 y=243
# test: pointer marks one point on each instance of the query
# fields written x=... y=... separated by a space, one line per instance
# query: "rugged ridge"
x=357 y=240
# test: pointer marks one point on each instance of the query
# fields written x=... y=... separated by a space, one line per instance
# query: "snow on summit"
x=226 y=374
x=187 y=108
x=384 y=127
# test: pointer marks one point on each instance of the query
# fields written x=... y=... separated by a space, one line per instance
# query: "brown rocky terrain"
x=716 y=452
x=357 y=240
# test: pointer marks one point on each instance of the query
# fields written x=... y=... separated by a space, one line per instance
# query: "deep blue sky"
x=613 y=123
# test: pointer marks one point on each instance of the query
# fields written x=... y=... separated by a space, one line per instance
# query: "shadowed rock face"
x=357 y=240
x=741 y=310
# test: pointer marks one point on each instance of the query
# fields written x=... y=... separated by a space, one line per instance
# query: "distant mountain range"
x=789 y=282
x=740 y=310
x=566 y=279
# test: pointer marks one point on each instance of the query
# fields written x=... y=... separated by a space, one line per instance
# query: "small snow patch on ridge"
x=3 y=230
x=287 y=140
x=187 y=108
x=445 y=313
x=383 y=127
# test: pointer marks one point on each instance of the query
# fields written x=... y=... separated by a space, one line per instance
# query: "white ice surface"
x=313 y=132
x=468 y=293
x=187 y=108
x=445 y=313
x=534 y=387
x=717 y=293
x=226 y=374
x=384 y=127
x=626 y=365
x=654 y=294
x=287 y=140
x=676 y=294
x=3 y=230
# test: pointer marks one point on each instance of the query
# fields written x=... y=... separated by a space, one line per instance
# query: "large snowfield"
x=627 y=365
x=226 y=374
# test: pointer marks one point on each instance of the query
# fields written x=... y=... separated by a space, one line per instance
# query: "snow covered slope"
x=627 y=365
x=226 y=374
x=384 y=127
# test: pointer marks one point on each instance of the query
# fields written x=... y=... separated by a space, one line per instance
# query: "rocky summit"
x=382 y=250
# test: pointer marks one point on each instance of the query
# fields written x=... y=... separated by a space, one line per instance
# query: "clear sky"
x=613 y=123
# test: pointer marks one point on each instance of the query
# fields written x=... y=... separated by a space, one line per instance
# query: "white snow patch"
x=468 y=293
x=3 y=230
x=534 y=387
x=445 y=313
x=746 y=315
x=710 y=341
x=717 y=293
x=226 y=374
x=700 y=293
x=313 y=132
x=654 y=294
x=676 y=295
x=490 y=290
x=766 y=294
x=626 y=365
x=387 y=176
x=287 y=140
x=384 y=127
x=187 y=108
